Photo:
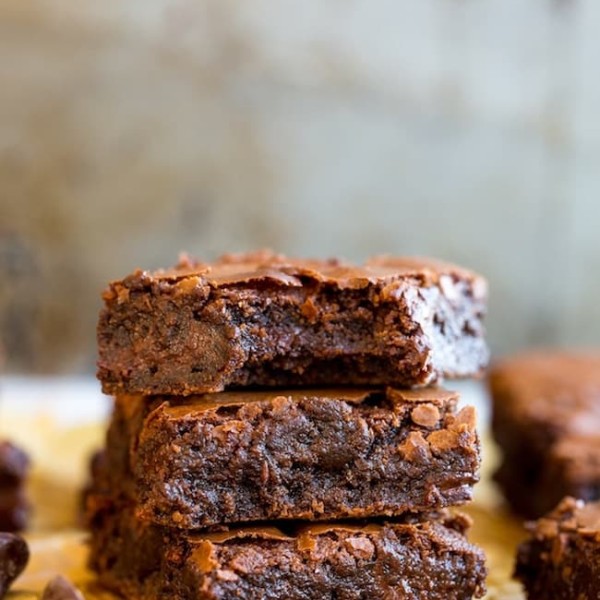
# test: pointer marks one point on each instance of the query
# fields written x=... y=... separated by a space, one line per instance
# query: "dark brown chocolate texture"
x=305 y=454
x=263 y=319
x=561 y=560
x=14 y=468
x=546 y=419
x=406 y=560
x=96 y=469
x=14 y=556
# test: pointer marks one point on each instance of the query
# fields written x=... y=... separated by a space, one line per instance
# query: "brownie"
x=265 y=320
x=546 y=419
x=237 y=457
x=94 y=481
x=14 y=506
x=414 y=559
x=561 y=560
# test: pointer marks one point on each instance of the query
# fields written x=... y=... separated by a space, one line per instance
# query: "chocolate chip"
x=14 y=556
x=61 y=588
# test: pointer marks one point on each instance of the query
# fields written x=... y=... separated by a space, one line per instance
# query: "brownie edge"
x=265 y=320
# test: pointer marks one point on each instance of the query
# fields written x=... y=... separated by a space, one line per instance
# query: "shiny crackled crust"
x=427 y=557
x=546 y=420
x=561 y=559
x=305 y=454
x=263 y=319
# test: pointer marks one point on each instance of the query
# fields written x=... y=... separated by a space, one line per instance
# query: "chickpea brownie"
x=416 y=559
x=265 y=320
x=236 y=457
x=546 y=419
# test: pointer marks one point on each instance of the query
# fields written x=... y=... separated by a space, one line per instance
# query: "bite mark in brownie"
x=561 y=560
x=546 y=419
x=266 y=320
x=416 y=559
x=304 y=454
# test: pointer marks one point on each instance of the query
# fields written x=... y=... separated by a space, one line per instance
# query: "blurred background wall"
x=130 y=130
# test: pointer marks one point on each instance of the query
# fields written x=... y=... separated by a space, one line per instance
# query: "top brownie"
x=265 y=320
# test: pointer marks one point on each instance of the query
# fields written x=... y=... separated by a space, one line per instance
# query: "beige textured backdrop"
x=132 y=129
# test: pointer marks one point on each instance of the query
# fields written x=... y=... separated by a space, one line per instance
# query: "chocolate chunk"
x=14 y=464
x=61 y=588
x=14 y=507
x=14 y=556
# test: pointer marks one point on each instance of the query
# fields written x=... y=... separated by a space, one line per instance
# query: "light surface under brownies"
x=263 y=319
x=304 y=454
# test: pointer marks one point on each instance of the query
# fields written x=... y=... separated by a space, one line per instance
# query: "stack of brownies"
x=274 y=435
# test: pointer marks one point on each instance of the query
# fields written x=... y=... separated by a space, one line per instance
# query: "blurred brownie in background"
x=546 y=419
x=94 y=483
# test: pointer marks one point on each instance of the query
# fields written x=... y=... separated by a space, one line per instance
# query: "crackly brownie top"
x=301 y=532
x=276 y=269
x=556 y=389
x=427 y=405
x=432 y=409
x=570 y=517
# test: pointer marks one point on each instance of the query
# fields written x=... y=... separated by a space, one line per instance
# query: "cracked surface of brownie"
x=304 y=454
x=428 y=559
x=265 y=320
